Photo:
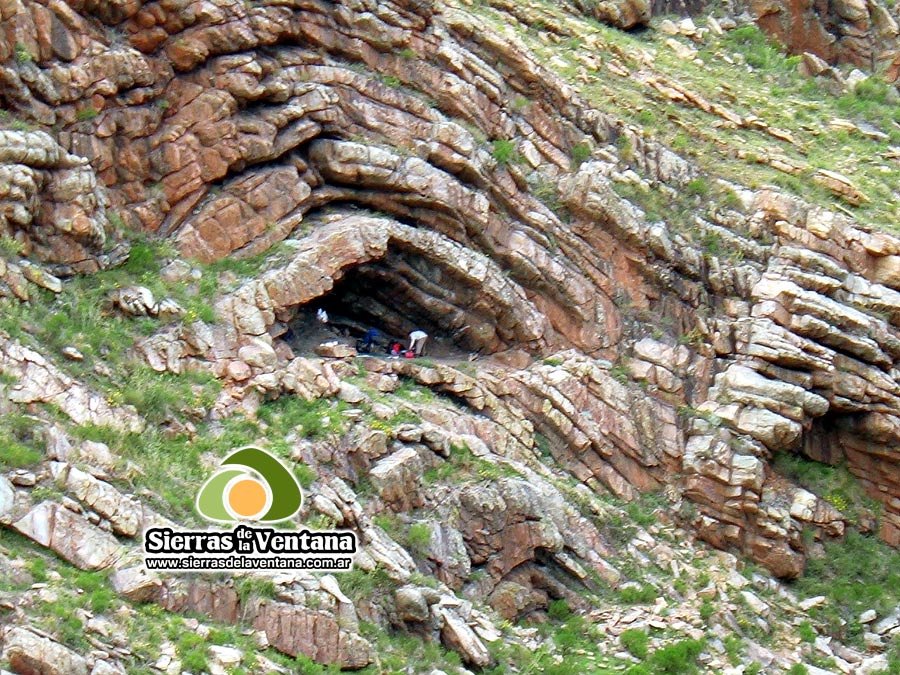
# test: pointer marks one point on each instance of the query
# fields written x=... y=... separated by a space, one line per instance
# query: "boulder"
x=411 y=604
x=397 y=477
x=32 y=654
x=458 y=636
x=70 y=535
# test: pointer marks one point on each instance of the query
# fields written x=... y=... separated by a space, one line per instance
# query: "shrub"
x=638 y=596
x=23 y=55
x=678 y=659
x=504 y=151
x=636 y=642
x=559 y=610
x=581 y=152
x=86 y=114
x=698 y=187
x=254 y=587
x=757 y=49
x=306 y=475
x=806 y=632
x=419 y=537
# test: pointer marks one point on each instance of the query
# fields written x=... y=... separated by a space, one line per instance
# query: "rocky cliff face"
x=641 y=319
x=862 y=33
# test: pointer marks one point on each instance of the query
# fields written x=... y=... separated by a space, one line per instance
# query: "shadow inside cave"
x=395 y=299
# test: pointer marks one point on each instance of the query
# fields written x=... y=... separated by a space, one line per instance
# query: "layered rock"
x=231 y=128
x=51 y=203
x=863 y=33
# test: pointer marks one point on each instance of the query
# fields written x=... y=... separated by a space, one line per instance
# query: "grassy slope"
x=761 y=82
x=171 y=466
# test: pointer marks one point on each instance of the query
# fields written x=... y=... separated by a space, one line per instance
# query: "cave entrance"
x=396 y=294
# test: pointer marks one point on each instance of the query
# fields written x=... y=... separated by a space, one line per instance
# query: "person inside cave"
x=417 y=342
x=369 y=340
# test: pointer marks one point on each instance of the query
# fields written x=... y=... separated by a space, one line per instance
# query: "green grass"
x=418 y=537
x=772 y=90
x=806 y=632
x=679 y=658
x=86 y=114
x=359 y=584
x=462 y=465
x=581 y=152
x=636 y=641
x=315 y=419
x=248 y=588
x=20 y=442
x=759 y=50
x=855 y=574
x=10 y=247
x=23 y=54
x=643 y=595
x=504 y=151
x=834 y=484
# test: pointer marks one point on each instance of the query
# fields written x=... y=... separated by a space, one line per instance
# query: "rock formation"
x=863 y=33
x=405 y=165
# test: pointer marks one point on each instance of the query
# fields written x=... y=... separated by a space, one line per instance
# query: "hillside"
x=656 y=426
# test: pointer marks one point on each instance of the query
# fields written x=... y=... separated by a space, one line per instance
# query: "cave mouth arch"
x=379 y=273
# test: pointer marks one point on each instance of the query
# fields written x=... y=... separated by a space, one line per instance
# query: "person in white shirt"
x=417 y=341
x=322 y=315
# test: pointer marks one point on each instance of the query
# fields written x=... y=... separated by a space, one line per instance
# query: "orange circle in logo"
x=247 y=498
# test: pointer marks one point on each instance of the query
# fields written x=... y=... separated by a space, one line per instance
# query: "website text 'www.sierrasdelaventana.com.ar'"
x=248 y=548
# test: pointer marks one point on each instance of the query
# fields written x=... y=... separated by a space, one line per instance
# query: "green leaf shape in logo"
x=286 y=495
x=211 y=498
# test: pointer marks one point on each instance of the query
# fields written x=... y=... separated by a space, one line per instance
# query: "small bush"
x=10 y=247
x=86 y=114
x=37 y=568
x=419 y=537
x=504 y=151
x=698 y=187
x=806 y=632
x=638 y=596
x=559 y=610
x=797 y=669
x=253 y=587
x=580 y=154
x=636 y=641
x=677 y=659
x=23 y=55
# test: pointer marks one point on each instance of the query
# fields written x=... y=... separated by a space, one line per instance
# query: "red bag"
x=409 y=354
